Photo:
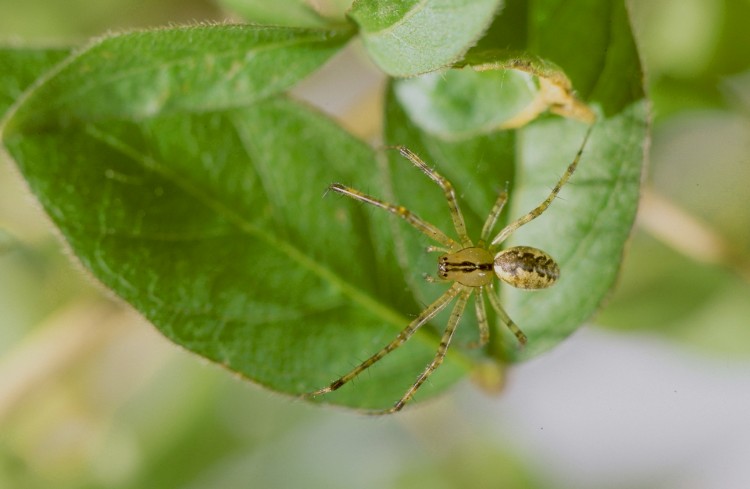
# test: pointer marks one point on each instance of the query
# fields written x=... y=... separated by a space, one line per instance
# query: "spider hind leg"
x=426 y=315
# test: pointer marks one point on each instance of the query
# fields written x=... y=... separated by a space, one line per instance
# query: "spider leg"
x=513 y=327
x=484 y=328
x=538 y=210
x=450 y=194
x=422 y=226
x=497 y=208
x=458 y=310
x=433 y=249
x=430 y=312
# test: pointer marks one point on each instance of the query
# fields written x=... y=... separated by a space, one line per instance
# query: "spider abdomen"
x=525 y=267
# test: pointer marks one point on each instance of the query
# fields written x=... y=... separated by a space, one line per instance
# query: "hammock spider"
x=470 y=266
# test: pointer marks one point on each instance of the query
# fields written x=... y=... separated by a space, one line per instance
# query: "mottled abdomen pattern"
x=525 y=267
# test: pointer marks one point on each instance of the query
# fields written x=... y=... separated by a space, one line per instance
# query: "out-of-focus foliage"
x=699 y=77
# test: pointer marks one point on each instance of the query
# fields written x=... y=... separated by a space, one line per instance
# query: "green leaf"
x=214 y=226
x=409 y=37
x=515 y=89
x=20 y=67
x=292 y=13
x=445 y=104
x=185 y=69
x=587 y=227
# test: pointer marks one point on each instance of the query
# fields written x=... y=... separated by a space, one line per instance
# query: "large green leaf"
x=213 y=224
x=408 y=37
x=214 y=227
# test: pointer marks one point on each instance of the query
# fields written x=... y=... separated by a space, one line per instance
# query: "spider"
x=471 y=267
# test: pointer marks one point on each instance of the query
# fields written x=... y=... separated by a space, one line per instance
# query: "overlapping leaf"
x=408 y=37
x=179 y=70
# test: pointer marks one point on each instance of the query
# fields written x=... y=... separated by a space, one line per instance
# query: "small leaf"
x=516 y=88
x=555 y=91
x=186 y=69
x=409 y=37
x=445 y=104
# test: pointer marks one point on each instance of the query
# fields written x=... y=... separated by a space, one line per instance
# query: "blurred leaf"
x=41 y=22
x=690 y=289
x=730 y=53
x=663 y=292
x=185 y=69
x=478 y=465
x=7 y=241
x=714 y=193
x=669 y=294
x=408 y=37
x=292 y=13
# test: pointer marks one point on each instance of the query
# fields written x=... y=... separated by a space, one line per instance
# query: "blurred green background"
x=654 y=393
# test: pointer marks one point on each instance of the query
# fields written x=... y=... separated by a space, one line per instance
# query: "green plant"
x=185 y=178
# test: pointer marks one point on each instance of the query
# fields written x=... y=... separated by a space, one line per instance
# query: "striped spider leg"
x=472 y=267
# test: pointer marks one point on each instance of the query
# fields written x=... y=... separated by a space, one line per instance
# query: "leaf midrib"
x=376 y=307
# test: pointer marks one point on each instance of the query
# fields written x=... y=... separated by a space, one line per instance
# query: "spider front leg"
x=430 y=312
x=450 y=194
x=421 y=225
x=497 y=208
x=538 y=210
